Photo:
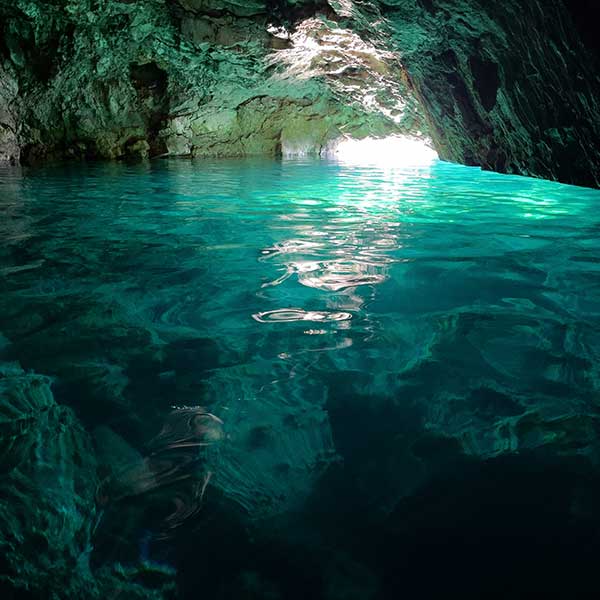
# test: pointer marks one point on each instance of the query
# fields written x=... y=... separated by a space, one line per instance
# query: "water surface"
x=364 y=333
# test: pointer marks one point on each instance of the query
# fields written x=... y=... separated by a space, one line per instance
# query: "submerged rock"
x=47 y=508
x=48 y=481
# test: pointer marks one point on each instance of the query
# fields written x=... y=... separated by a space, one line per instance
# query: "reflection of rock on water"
x=173 y=476
x=265 y=465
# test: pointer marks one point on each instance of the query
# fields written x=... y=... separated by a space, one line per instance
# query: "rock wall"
x=510 y=86
x=9 y=122
x=112 y=78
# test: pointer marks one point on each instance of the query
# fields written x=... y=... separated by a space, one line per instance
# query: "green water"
x=361 y=331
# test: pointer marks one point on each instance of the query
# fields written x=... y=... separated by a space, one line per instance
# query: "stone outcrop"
x=116 y=79
x=9 y=122
x=48 y=513
x=511 y=87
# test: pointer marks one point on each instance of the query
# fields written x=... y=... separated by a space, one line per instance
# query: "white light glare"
x=393 y=150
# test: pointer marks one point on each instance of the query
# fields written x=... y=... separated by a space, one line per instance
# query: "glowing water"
x=329 y=313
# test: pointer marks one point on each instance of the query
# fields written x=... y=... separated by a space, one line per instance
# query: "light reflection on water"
x=267 y=290
x=207 y=246
x=344 y=242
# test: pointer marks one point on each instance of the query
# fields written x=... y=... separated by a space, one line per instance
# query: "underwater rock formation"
x=439 y=373
x=48 y=482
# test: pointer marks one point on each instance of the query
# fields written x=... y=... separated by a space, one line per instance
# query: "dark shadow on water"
x=517 y=527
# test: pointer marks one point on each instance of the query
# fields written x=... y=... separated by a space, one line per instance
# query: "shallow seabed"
x=405 y=361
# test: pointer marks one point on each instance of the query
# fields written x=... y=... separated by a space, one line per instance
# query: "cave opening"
x=299 y=300
x=390 y=150
x=151 y=85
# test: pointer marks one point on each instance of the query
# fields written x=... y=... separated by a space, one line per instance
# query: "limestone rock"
x=511 y=87
x=48 y=482
x=201 y=78
x=9 y=122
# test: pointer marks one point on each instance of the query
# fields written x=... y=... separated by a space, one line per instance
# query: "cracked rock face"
x=199 y=78
x=512 y=87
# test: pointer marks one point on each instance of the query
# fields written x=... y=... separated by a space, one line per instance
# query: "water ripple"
x=287 y=315
x=337 y=276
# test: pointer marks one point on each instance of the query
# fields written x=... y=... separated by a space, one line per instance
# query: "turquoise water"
x=363 y=333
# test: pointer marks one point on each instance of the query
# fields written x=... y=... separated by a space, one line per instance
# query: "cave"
x=151 y=84
x=510 y=89
x=299 y=299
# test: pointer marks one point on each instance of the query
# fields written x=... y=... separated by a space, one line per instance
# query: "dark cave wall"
x=510 y=86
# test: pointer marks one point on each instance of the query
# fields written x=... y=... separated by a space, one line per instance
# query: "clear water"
x=365 y=334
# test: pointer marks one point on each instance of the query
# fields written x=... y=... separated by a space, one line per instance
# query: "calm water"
x=406 y=364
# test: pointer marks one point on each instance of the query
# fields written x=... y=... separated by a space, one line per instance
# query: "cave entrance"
x=151 y=83
x=366 y=108
x=392 y=150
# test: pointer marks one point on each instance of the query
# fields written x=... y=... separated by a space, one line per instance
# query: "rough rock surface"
x=112 y=79
x=512 y=87
x=9 y=122
x=48 y=508
x=48 y=486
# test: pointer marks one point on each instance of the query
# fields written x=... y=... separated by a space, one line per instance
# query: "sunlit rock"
x=195 y=78
x=9 y=121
